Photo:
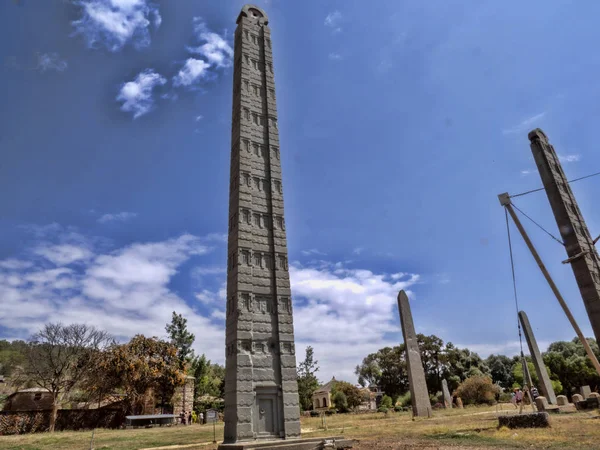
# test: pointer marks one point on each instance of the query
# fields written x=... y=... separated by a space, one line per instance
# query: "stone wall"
x=20 y=422
x=183 y=399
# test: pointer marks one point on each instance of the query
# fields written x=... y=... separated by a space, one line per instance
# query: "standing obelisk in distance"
x=261 y=392
x=419 y=396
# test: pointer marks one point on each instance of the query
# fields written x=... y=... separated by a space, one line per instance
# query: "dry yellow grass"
x=473 y=428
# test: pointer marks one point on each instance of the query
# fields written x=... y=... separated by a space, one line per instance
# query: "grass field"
x=472 y=428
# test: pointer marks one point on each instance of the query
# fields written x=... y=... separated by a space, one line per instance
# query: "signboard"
x=211 y=416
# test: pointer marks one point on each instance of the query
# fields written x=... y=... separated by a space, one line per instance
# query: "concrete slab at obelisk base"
x=447 y=396
x=545 y=385
x=419 y=396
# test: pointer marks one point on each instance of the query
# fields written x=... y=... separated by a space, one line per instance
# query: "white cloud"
x=63 y=254
x=526 y=172
x=525 y=125
x=137 y=95
x=125 y=291
x=569 y=158
x=15 y=264
x=199 y=117
x=114 y=23
x=335 y=56
x=214 y=48
x=119 y=217
x=333 y=19
x=51 y=61
x=192 y=71
x=312 y=251
x=358 y=250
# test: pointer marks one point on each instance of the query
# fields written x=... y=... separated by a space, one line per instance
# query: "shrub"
x=340 y=401
x=382 y=409
x=477 y=390
x=398 y=408
x=329 y=412
x=314 y=414
x=386 y=402
x=404 y=399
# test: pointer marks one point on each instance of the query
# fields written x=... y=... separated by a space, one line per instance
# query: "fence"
x=20 y=422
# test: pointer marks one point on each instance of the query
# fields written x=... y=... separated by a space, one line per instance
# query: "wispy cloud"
x=332 y=21
x=525 y=125
x=358 y=250
x=199 y=117
x=312 y=251
x=569 y=158
x=118 y=217
x=51 y=61
x=114 y=23
x=526 y=172
x=137 y=95
x=335 y=56
x=214 y=47
x=192 y=71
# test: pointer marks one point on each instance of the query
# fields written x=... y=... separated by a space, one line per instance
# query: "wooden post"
x=505 y=201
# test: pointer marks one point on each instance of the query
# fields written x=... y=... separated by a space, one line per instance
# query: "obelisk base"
x=336 y=442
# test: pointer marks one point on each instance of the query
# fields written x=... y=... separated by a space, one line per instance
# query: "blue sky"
x=400 y=123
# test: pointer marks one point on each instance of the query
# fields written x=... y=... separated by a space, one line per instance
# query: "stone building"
x=183 y=399
x=322 y=396
x=32 y=399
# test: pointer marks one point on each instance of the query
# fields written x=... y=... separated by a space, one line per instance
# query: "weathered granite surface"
x=447 y=396
x=545 y=385
x=421 y=405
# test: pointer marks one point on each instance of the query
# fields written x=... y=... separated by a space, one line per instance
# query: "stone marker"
x=541 y=403
x=447 y=396
x=530 y=420
x=577 y=398
x=562 y=400
x=261 y=390
x=545 y=386
x=594 y=395
x=585 y=391
x=419 y=396
x=459 y=403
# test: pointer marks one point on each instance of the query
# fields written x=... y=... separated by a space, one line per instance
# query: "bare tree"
x=61 y=356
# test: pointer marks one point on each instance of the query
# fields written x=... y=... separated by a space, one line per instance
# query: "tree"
x=139 y=367
x=569 y=365
x=340 y=401
x=181 y=338
x=307 y=380
x=209 y=380
x=12 y=356
x=386 y=402
x=477 y=389
x=387 y=369
x=351 y=393
x=59 y=357
x=501 y=370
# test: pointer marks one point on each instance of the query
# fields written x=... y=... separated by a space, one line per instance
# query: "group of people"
x=518 y=395
x=186 y=417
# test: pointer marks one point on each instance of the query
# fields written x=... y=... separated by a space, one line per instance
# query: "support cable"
x=544 y=187
x=541 y=227
x=512 y=267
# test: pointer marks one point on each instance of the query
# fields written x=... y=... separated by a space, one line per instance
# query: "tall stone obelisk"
x=261 y=392
x=419 y=396
x=579 y=244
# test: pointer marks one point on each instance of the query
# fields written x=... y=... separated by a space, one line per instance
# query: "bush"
x=382 y=409
x=505 y=397
x=386 y=402
x=329 y=412
x=404 y=399
x=478 y=390
x=340 y=401
x=398 y=408
x=314 y=414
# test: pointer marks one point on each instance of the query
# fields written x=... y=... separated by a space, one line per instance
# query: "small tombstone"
x=562 y=400
x=446 y=394
x=585 y=391
x=459 y=403
x=594 y=395
x=577 y=398
x=541 y=403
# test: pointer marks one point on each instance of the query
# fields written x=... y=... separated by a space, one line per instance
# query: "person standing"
x=189 y=418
